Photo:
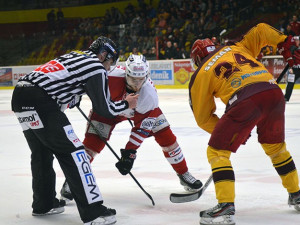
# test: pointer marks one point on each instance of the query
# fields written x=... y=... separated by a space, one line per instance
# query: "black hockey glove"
x=126 y=162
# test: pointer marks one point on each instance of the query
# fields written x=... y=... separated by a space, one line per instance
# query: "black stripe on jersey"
x=67 y=98
x=90 y=64
x=40 y=79
x=61 y=89
x=73 y=77
x=76 y=58
x=34 y=76
x=71 y=93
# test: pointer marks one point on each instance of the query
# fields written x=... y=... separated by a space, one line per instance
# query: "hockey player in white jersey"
x=148 y=120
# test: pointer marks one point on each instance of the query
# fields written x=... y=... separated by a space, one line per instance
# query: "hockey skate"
x=108 y=216
x=65 y=193
x=294 y=199
x=59 y=208
x=221 y=214
x=189 y=182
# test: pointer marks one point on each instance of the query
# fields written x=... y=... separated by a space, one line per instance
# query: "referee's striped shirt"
x=75 y=74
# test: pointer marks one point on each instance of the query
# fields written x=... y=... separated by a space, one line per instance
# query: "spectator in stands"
x=51 y=21
x=122 y=56
x=152 y=54
x=145 y=52
x=284 y=21
x=135 y=51
x=177 y=54
x=169 y=51
x=289 y=30
x=60 y=20
x=162 y=23
x=295 y=25
x=116 y=16
x=136 y=27
x=151 y=12
x=183 y=54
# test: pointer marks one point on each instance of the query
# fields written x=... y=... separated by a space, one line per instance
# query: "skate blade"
x=227 y=219
x=51 y=212
x=108 y=220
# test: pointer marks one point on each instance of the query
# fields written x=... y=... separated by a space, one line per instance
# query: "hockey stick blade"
x=182 y=198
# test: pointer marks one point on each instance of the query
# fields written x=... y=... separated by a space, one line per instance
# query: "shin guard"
x=284 y=165
x=223 y=174
x=172 y=151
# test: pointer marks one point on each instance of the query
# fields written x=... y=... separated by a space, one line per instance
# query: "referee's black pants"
x=49 y=133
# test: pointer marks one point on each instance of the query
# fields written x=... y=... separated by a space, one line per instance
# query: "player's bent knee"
x=214 y=154
x=274 y=150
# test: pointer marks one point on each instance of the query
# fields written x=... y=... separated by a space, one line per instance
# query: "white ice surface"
x=260 y=198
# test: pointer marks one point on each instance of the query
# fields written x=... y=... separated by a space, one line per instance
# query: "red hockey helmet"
x=200 y=49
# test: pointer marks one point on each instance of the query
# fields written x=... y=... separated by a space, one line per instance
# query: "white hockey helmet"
x=137 y=70
x=137 y=66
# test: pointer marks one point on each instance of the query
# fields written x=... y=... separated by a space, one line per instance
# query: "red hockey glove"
x=284 y=48
x=126 y=162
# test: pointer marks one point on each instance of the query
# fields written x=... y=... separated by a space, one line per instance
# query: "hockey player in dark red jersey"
x=252 y=98
x=148 y=121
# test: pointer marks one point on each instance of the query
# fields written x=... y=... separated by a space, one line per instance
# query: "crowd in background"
x=176 y=24
x=167 y=31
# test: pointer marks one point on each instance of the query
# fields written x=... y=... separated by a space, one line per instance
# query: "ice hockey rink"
x=260 y=198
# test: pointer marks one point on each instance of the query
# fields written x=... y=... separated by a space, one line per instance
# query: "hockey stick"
x=181 y=198
x=282 y=73
x=130 y=122
x=110 y=148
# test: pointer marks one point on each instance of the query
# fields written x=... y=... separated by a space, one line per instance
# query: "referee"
x=39 y=101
